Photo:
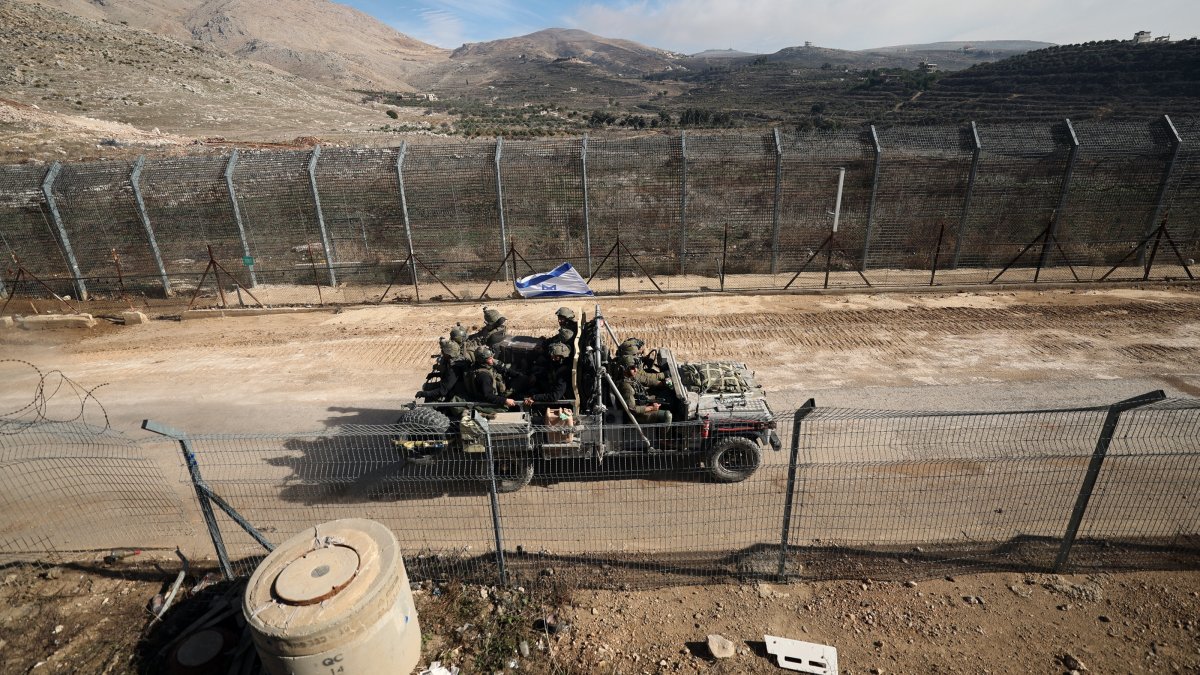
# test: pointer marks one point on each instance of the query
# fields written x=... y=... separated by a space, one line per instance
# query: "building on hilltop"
x=1141 y=36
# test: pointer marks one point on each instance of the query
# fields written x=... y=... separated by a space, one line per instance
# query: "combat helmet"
x=631 y=346
x=482 y=354
x=492 y=315
x=458 y=334
x=560 y=350
x=451 y=349
x=565 y=313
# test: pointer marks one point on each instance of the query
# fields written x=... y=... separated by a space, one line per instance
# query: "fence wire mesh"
x=696 y=211
x=886 y=495
x=68 y=487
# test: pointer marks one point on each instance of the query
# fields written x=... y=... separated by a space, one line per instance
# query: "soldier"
x=449 y=370
x=566 y=319
x=645 y=409
x=494 y=330
x=555 y=379
x=632 y=348
x=485 y=383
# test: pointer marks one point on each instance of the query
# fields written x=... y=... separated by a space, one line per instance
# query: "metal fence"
x=694 y=211
x=851 y=494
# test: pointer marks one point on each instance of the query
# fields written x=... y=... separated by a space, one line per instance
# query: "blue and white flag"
x=560 y=281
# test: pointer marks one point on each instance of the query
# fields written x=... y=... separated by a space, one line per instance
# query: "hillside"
x=80 y=72
x=1110 y=79
x=316 y=39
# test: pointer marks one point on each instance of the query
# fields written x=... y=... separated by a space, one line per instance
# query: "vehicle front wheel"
x=513 y=474
x=733 y=460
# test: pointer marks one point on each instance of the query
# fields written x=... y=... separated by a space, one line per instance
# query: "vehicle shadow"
x=356 y=460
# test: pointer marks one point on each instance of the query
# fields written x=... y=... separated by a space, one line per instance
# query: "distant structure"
x=807 y=43
x=1163 y=38
x=967 y=48
x=1141 y=36
x=927 y=67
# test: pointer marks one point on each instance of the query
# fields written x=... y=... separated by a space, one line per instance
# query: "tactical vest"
x=498 y=385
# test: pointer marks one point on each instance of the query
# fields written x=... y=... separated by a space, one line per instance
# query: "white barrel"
x=334 y=599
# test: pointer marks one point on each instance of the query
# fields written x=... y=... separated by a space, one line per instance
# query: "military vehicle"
x=721 y=419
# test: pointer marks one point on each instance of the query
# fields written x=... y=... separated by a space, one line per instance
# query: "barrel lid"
x=317 y=575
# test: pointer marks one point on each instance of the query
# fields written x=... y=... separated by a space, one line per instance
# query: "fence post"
x=587 y=222
x=206 y=497
x=1052 y=235
x=1093 y=471
x=500 y=205
x=1176 y=144
x=135 y=178
x=871 y=204
x=804 y=411
x=325 y=243
x=412 y=255
x=230 y=167
x=966 y=210
x=775 y=205
x=683 y=230
x=495 y=502
x=63 y=239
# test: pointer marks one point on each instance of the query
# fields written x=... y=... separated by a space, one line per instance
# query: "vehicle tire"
x=512 y=474
x=733 y=459
x=421 y=421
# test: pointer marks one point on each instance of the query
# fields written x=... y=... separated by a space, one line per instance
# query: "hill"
x=79 y=72
x=1111 y=79
x=316 y=39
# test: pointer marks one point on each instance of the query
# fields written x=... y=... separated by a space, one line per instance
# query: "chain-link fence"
x=688 y=212
x=848 y=494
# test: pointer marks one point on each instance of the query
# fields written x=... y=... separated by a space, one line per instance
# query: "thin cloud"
x=766 y=26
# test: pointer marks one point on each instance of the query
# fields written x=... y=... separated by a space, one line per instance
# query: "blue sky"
x=766 y=26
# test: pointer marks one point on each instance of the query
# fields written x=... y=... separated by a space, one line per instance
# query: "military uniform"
x=449 y=370
x=638 y=400
x=554 y=377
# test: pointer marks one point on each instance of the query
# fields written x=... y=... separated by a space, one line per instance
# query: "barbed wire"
x=49 y=386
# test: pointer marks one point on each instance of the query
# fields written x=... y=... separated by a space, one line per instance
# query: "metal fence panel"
x=922 y=186
x=26 y=232
x=543 y=204
x=189 y=208
x=1017 y=191
x=452 y=204
x=1183 y=193
x=1114 y=192
x=99 y=215
x=809 y=192
x=277 y=207
x=74 y=487
x=731 y=183
x=635 y=186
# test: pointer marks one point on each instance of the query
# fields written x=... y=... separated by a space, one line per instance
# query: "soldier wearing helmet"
x=645 y=407
x=494 y=328
x=553 y=381
x=449 y=369
x=486 y=384
x=633 y=348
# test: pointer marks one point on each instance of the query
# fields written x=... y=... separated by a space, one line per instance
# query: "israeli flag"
x=560 y=281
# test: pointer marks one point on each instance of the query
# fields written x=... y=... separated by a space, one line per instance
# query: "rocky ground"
x=88 y=617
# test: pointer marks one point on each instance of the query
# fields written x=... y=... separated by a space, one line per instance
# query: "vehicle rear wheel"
x=513 y=474
x=733 y=460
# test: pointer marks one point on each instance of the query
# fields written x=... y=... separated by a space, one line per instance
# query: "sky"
x=766 y=26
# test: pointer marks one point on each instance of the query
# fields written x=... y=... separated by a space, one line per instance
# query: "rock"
x=134 y=318
x=6 y=322
x=1019 y=591
x=52 y=573
x=910 y=584
x=523 y=649
x=1103 y=618
x=721 y=647
x=51 y=321
x=1071 y=662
